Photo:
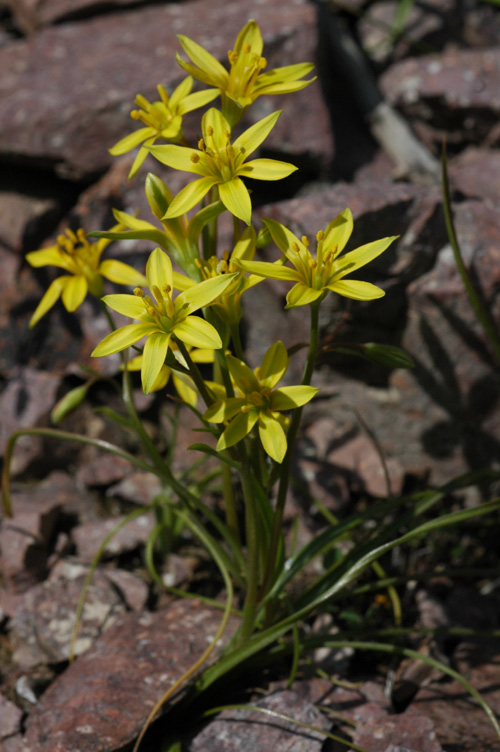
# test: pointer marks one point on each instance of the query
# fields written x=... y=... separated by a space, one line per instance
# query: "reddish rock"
x=103 y=470
x=29 y=15
x=241 y=730
x=449 y=94
x=40 y=631
x=138 y=659
x=11 y=717
x=67 y=91
x=476 y=173
x=411 y=730
x=88 y=538
x=139 y=488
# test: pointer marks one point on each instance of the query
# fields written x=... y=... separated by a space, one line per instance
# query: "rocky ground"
x=70 y=72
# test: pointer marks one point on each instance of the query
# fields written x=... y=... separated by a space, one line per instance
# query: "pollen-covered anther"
x=135 y=115
x=139 y=292
x=305 y=241
x=246 y=408
x=151 y=311
x=195 y=158
x=320 y=236
x=262 y=62
x=256 y=398
x=210 y=130
x=232 y=56
x=295 y=247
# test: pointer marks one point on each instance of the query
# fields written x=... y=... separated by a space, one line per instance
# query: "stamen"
x=210 y=130
x=195 y=158
x=320 y=236
x=139 y=292
x=305 y=241
x=295 y=247
x=247 y=48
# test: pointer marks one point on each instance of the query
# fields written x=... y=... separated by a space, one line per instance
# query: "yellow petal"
x=215 y=130
x=190 y=196
x=131 y=141
x=224 y=410
x=235 y=197
x=250 y=34
x=159 y=270
x=51 y=296
x=122 y=338
x=272 y=437
x=120 y=273
x=74 y=292
x=202 y=294
x=290 y=397
x=198 y=99
x=274 y=365
x=252 y=138
x=356 y=290
x=217 y=74
x=51 y=256
x=239 y=427
x=339 y=231
x=197 y=332
x=287 y=73
x=270 y=271
x=301 y=295
x=266 y=169
x=244 y=377
x=177 y=157
x=128 y=305
x=153 y=359
x=362 y=255
x=179 y=93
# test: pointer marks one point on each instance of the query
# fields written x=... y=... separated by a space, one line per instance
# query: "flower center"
x=157 y=115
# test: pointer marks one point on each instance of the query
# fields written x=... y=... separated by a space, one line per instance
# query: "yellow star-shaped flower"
x=314 y=276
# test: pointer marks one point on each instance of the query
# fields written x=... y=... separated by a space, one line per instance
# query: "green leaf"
x=386 y=355
x=222 y=456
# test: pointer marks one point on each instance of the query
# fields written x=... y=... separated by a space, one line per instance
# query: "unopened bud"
x=68 y=403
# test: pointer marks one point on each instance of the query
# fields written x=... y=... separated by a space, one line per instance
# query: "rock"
x=103 y=470
x=89 y=537
x=235 y=730
x=41 y=629
x=138 y=658
x=139 y=488
x=411 y=730
x=67 y=91
x=11 y=719
x=29 y=15
x=475 y=172
x=448 y=94
x=458 y=719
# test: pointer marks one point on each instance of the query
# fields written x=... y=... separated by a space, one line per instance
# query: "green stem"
x=229 y=501
x=481 y=314
x=252 y=541
x=286 y=464
x=236 y=340
x=236 y=229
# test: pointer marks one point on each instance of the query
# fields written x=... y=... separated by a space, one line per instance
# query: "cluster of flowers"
x=186 y=317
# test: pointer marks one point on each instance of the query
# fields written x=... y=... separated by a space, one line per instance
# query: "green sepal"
x=68 y=403
x=158 y=195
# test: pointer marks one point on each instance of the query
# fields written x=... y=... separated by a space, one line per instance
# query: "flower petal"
x=239 y=427
x=159 y=270
x=74 y=292
x=198 y=332
x=185 y=389
x=270 y=271
x=243 y=376
x=196 y=100
x=224 y=409
x=235 y=197
x=362 y=255
x=177 y=157
x=301 y=295
x=190 y=196
x=202 y=294
x=272 y=436
x=274 y=365
x=266 y=169
x=153 y=359
x=339 y=231
x=290 y=397
x=131 y=141
x=285 y=240
x=215 y=130
x=178 y=95
x=217 y=74
x=356 y=290
x=51 y=256
x=286 y=73
x=252 y=138
x=249 y=35
x=120 y=273
x=128 y=305
x=122 y=338
x=51 y=296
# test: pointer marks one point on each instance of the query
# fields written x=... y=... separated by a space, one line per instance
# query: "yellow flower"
x=82 y=260
x=222 y=164
x=163 y=119
x=315 y=276
x=162 y=317
x=245 y=80
x=228 y=305
x=258 y=402
x=183 y=383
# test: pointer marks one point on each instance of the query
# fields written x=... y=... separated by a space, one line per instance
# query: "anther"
x=305 y=241
x=139 y=292
x=320 y=236
x=210 y=130
x=295 y=247
x=195 y=158
x=247 y=48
